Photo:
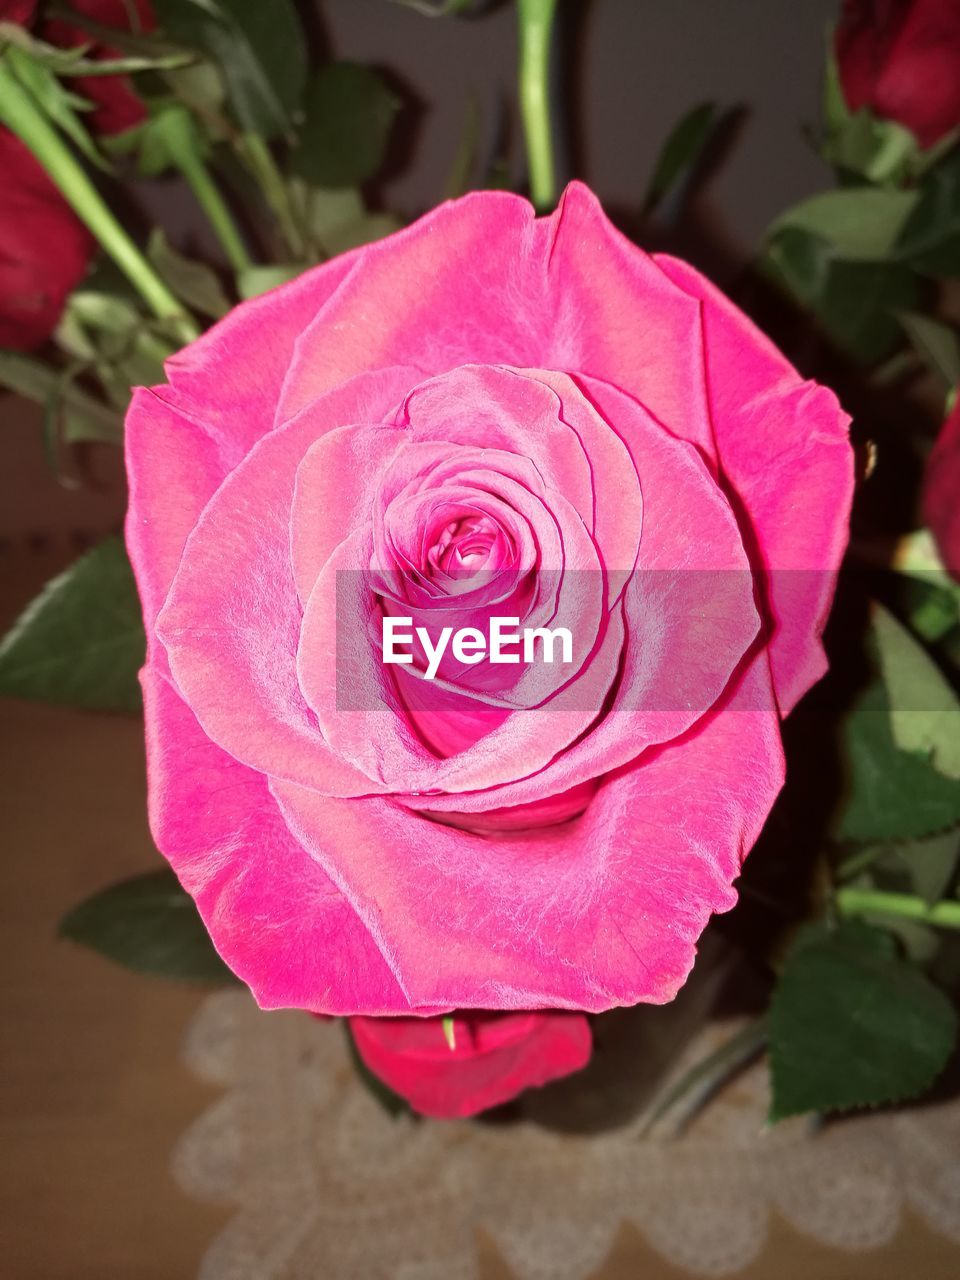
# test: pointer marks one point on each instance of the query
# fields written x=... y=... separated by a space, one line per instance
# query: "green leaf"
x=937 y=344
x=149 y=924
x=862 y=224
x=81 y=641
x=680 y=152
x=930 y=865
x=192 y=282
x=890 y=794
x=924 y=710
x=348 y=116
x=81 y=416
x=372 y=226
x=56 y=102
x=257 y=280
x=259 y=47
x=853 y=1025
x=73 y=62
x=854 y=302
x=930 y=239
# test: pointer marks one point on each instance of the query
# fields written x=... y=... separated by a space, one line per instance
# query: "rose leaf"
x=853 y=1025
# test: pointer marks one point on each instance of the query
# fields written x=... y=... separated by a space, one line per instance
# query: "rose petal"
x=785 y=454
x=602 y=911
x=274 y=915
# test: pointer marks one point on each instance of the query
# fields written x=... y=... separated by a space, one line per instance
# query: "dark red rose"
x=494 y=1057
x=20 y=11
x=941 y=498
x=116 y=106
x=44 y=248
x=901 y=58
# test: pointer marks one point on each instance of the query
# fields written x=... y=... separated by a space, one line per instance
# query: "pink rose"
x=901 y=58
x=621 y=448
x=941 y=496
x=494 y=1057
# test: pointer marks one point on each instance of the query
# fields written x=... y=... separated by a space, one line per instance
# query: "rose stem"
x=536 y=26
x=857 y=902
x=20 y=113
x=261 y=163
x=180 y=137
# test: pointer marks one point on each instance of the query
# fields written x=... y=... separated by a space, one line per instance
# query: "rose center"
x=467 y=546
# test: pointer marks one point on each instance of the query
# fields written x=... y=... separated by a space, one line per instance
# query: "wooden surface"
x=93 y=1093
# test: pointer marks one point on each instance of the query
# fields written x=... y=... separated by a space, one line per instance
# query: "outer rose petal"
x=568 y=293
x=785 y=454
x=494 y=1057
x=273 y=914
x=603 y=911
x=941 y=498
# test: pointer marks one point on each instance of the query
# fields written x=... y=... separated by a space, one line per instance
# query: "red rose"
x=44 y=249
x=941 y=499
x=901 y=58
x=20 y=11
x=116 y=106
x=494 y=1057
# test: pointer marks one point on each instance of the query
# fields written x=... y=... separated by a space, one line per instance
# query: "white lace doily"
x=325 y=1183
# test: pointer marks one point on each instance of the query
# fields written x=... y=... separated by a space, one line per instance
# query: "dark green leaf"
x=853 y=1025
x=930 y=865
x=56 y=102
x=81 y=640
x=924 y=710
x=680 y=152
x=862 y=224
x=257 y=280
x=260 y=48
x=889 y=794
x=937 y=344
x=149 y=924
x=930 y=239
x=194 y=283
x=854 y=302
x=348 y=115
x=80 y=415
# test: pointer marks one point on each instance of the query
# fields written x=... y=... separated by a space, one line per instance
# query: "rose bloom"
x=493 y=1057
x=941 y=496
x=44 y=248
x=901 y=59
x=485 y=414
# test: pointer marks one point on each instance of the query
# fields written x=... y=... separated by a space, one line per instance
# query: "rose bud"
x=44 y=248
x=487 y=1060
x=901 y=59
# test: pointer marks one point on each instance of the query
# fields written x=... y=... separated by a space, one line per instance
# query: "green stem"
x=536 y=27
x=264 y=168
x=20 y=113
x=857 y=902
x=180 y=136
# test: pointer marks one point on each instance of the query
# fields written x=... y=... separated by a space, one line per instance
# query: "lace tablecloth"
x=326 y=1183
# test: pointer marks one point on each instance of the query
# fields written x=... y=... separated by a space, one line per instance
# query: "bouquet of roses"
x=481 y=560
